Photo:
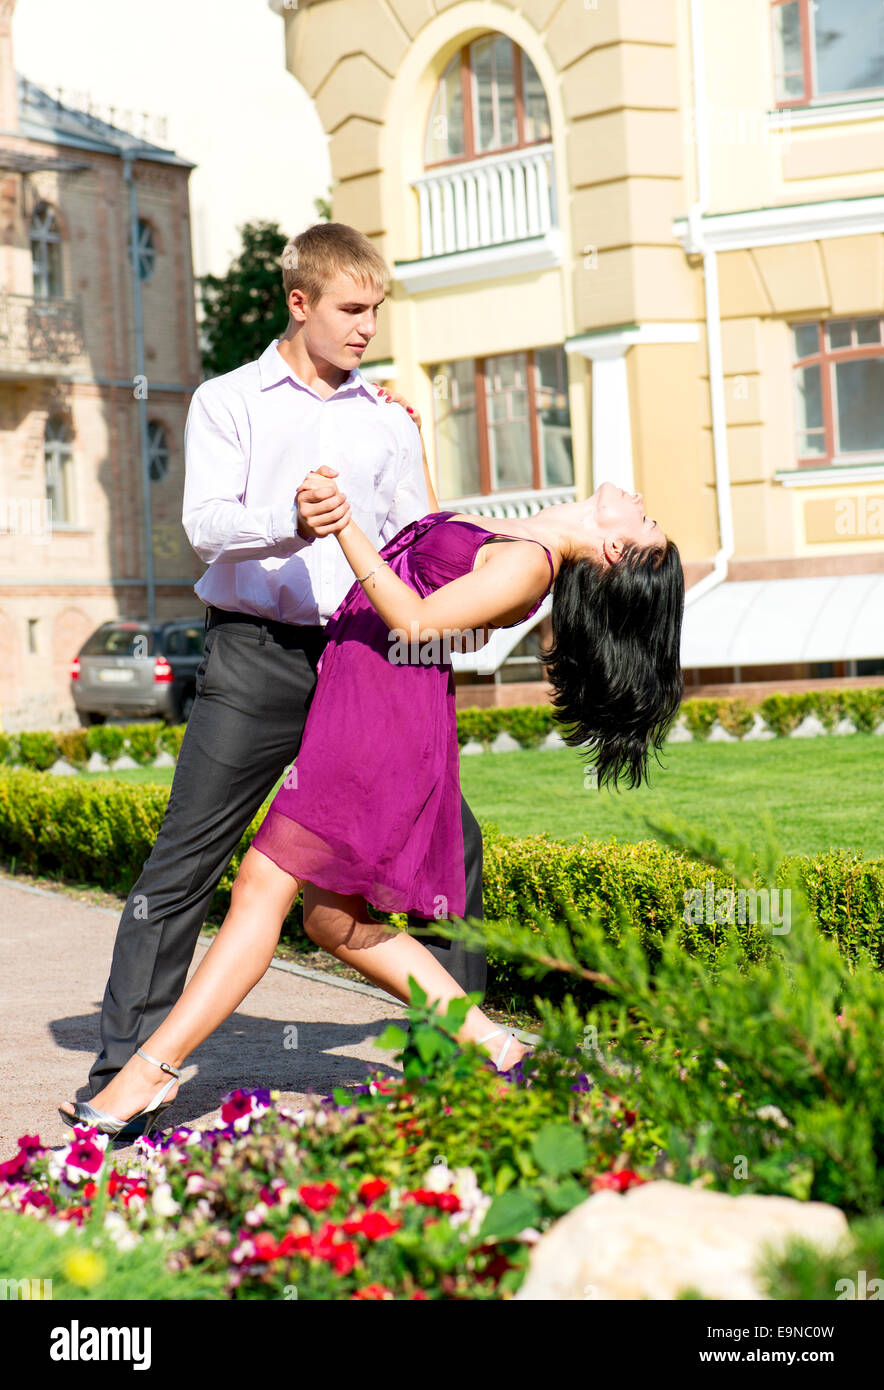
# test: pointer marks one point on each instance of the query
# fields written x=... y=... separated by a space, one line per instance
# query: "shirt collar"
x=273 y=368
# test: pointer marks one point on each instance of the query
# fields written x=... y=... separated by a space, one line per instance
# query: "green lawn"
x=823 y=793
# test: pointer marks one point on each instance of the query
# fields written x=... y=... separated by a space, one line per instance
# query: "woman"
x=371 y=808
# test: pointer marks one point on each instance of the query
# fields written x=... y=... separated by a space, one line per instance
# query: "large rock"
x=662 y=1238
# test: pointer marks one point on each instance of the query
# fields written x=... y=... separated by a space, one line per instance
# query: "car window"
x=185 y=641
x=122 y=639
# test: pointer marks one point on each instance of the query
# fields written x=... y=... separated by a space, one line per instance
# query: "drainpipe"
x=696 y=244
x=128 y=155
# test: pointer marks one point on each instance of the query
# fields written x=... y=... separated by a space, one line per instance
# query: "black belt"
x=310 y=638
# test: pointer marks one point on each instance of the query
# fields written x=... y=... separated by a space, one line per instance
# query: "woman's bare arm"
x=500 y=592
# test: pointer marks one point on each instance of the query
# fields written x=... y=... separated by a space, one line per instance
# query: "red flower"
x=34 y=1198
x=318 y=1196
x=342 y=1255
x=90 y=1189
x=237 y=1105
x=290 y=1244
x=495 y=1268
x=265 y=1246
x=377 y=1291
x=617 y=1182
x=422 y=1195
x=73 y=1214
x=419 y=1293
x=371 y=1189
x=445 y=1201
x=345 y=1257
x=14 y=1167
x=85 y=1155
x=374 y=1225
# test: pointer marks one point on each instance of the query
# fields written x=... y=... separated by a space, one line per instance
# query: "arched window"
x=489 y=99
x=58 y=453
x=46 y=252
x=146 y=250
x=157 y=451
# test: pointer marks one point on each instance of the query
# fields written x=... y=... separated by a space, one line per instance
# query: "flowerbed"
x=433 y=1185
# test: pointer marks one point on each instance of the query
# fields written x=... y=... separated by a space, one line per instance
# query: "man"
x=251 y=437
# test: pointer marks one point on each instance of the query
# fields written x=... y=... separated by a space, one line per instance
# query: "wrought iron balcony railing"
x=39 y=334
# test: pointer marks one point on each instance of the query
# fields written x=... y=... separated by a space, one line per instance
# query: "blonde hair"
x=312 y=259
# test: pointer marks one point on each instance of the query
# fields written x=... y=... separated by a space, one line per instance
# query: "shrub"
x=783 y=713
x=736 y=716
x=143 y=740
x=73 y=745
x=829 y=707
x=38 y=749
x=774 y=1062
x=106 y=739
x=171 y=737
x=700 y=715
x=852 y=1271
x=865 y=707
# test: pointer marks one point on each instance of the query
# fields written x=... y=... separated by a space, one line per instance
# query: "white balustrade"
x=487 y=201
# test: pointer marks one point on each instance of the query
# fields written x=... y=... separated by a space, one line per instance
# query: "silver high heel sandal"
x=510 y=1037
x=141 y=1123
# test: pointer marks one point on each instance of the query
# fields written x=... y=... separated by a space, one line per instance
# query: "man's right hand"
x=322 y=508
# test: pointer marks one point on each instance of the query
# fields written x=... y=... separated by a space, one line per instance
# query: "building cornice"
x=613 y=342
x=495 y=262
x=780 y=226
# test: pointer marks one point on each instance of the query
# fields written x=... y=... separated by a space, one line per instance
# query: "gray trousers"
x=254 y=687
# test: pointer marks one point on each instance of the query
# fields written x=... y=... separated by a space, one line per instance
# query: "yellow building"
x=637 y=240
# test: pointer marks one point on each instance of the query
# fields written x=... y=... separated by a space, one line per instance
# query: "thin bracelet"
x=374 y=582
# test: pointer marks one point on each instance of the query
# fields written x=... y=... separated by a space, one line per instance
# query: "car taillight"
x=75 y=669
x=162 y=671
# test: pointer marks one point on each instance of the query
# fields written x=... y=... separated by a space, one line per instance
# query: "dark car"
x=132 y=668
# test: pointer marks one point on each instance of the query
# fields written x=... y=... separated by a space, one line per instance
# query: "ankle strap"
x=163 y=1066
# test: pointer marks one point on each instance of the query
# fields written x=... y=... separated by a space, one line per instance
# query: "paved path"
x=54 y=958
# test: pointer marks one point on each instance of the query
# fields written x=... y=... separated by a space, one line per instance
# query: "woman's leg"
x=387 y=958
x=261 y=897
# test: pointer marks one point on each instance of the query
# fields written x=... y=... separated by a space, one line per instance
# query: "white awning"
x=768 y=621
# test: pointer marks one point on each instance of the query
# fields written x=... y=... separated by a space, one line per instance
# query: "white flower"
x=772 y=1112
x=244 y=1251
x=195 y=1184
x=256 y=1215
x=438 y=1178
x=121 y=1235
x=163 y=1202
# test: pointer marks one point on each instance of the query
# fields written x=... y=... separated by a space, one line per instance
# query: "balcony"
x=485 y=218
x=511 y=504
x=40 y=337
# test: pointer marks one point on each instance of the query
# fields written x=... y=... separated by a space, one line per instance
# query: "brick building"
x=72 y=532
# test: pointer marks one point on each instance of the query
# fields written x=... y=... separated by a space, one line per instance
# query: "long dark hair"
x=615 y=659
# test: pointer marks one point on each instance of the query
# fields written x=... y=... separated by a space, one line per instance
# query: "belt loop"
x=263 y=638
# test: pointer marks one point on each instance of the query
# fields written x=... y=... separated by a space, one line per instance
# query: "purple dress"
x=373 y=803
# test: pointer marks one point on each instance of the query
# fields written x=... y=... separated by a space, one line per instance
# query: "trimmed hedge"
x=528 y=724
x=102 y=832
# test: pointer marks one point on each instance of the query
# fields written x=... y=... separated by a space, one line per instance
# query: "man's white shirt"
x=251 y=437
